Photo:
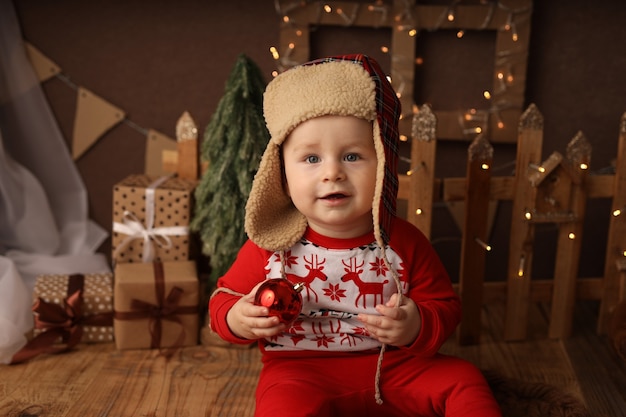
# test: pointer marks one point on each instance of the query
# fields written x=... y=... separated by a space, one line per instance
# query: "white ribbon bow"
x=134 y=229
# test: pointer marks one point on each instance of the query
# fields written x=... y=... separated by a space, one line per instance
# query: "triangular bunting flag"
x=43 y=66
x=94 y=116
x=156 y=144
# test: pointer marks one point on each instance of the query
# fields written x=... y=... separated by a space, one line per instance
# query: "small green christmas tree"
x=234 y=141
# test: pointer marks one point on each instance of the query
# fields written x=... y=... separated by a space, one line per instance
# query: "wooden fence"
x=554 y=190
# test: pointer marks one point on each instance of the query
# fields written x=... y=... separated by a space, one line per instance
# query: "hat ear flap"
x=272 y=221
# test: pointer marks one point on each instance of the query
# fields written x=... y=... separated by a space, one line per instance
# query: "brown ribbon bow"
x=61 y=322
x=167 y=308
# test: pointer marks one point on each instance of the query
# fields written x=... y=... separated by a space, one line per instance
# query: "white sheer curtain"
x=44 y=225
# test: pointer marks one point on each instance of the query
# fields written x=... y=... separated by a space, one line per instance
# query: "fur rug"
x=528 y=399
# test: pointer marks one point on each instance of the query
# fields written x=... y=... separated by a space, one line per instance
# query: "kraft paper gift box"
x=85 y=300
x=151 y=218
x=156 y=305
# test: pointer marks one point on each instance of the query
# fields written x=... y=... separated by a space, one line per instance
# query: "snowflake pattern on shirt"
x=339 y=284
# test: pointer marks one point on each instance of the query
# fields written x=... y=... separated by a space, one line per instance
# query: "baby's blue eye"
x=351 y=157
x=312 y=159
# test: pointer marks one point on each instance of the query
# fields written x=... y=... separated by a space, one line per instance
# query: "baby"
x=377 y=301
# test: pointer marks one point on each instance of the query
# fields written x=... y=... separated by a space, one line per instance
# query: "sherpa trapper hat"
x=349 y=85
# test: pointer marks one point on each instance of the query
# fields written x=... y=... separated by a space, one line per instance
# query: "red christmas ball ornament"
x=281 y=297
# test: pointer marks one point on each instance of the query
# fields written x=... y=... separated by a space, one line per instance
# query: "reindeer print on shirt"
x=353 y=273
x=340 y=284
x=315 y=266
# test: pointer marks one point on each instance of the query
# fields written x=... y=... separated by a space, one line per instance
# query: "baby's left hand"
x=396 y=326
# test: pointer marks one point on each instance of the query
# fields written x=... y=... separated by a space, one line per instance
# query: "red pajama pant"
x=344 y=386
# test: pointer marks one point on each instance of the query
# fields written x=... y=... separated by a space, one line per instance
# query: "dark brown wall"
x=156 y=59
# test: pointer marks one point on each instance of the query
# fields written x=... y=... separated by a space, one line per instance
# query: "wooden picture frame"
x=510 y=19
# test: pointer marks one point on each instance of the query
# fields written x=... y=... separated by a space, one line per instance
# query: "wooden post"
x=422 y=171
x=570 y=241
x=613 y=290
x=620 y=264
x=530 y=140
x=187 y=139
x=474 y=244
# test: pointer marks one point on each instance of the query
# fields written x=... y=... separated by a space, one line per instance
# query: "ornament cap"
x=298 y=286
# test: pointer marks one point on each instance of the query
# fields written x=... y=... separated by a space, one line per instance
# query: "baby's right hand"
x=249 y=321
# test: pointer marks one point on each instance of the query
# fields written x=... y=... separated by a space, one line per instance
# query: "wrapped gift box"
x=156 y=305
x=96 y=299
x=151 y=218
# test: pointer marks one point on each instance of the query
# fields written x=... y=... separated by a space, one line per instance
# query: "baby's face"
x=330 y=168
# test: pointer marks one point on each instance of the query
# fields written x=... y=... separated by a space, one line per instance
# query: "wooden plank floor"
x=99 y=381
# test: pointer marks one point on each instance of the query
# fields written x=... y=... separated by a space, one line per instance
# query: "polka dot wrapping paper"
x=97 y=294
x=151 y=217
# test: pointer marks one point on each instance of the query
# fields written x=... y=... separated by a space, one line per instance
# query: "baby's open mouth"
x=334 y=196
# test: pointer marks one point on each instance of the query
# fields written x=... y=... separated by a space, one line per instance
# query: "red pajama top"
x=345 y=277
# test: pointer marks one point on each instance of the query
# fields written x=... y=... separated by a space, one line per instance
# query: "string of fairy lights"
x=405 y=19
